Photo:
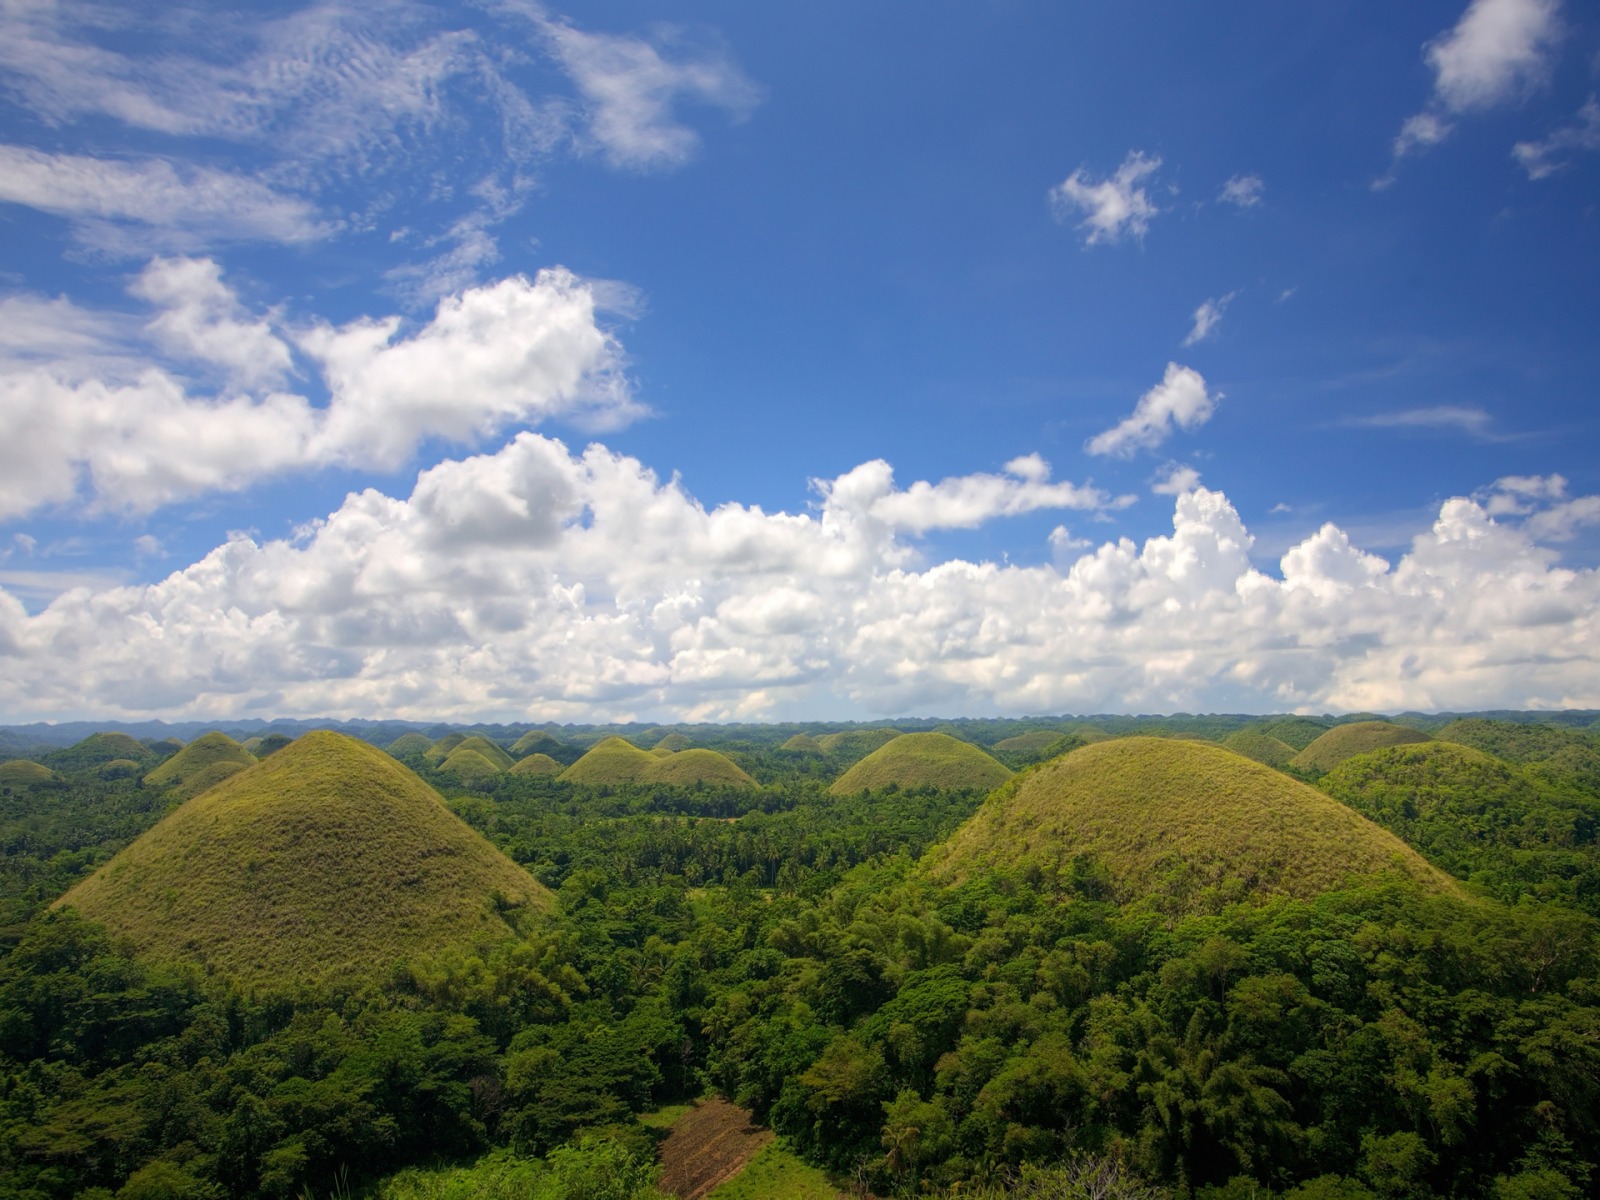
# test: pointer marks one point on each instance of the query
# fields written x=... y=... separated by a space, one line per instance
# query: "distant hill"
x=1034 y=746
x=469 y=765
x=328 y=860
x=1263 y=747
x=535 y=741
x=1298 y=732
x=612 y=761
x=852 y=745
x=1346 y=741
x=408 y=745
x=689 y=768
x=22 y=772
x=1556 y=752
x=673 y=743
x=440 y=750
x=489 y=750
x=536 y=764
x=802 y=743
x=204 y=752
x=1193 y=822
x=98 y=749
x=923 y=760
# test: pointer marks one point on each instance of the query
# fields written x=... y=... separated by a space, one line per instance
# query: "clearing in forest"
x=708 y=1145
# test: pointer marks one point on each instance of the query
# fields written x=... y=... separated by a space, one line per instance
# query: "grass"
x=1262 y=747
x=674 y=742
x=327 y=861
x=408 y=744
x=535 y=741
x=923 y=760
x=776 y=1174
x=20 y=772
x=441 y=749
x=536 y=764
x=803 y=743
x=855 y=744
x=482 y=745
x=98 y=749
x=1182 y=820
x=205 y=778
x=1031 y=744
x=469 y=766
x=205 y=751
x=1347 y=741
x=1299 y=732
x=610 y=761
x=689 y=767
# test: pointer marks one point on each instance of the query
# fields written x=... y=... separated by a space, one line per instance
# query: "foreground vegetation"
x=1079 y=1021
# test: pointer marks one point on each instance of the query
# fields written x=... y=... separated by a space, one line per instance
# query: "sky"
x=719 y=361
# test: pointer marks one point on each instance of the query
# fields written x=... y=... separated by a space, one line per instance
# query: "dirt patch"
x=708 y=1145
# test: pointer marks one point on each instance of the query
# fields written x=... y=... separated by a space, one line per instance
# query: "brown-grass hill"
x=536 y=764
x=923 y=760
x=205 y=751
x=98 y=749
x=203 y=779
x=1262 y=747
x=1187 y=821
x=1298 y=732
x=1031 y=747
x=535 y=741
x=440 y=750
x=409 y=744
x=328 y=861
x=674 y=742
x=852 y=745
x=1347 y=741
x=802 y=743
x=120 y=768
x=22 y=772
x=469 y=766
x=698 y=767
x=490 y=750
x=612 y=761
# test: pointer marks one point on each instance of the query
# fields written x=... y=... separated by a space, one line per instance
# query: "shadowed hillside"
x=923 y=760
x=536 y=764
x=408 y=744
x=852 y=745
x=441 y=749
x=327 y=860
x=535 y=741
x=23 y=773
x=1347 y=741
x=1180 y=819
x=98 y=749
x=490 y=751
x=1298 y=732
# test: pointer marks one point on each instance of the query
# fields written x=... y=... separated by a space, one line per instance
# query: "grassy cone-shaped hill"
x=1144 y=808
x=923 y=760
x=491 y=751
x=688 y=768
x=98 y=749
x=852 y=745
x=1298 y=732
x=327 y=861
x=409 y=744
x=1263 y=747
x=120 y=768
x=536 y=764
x=674 y=742
x=205 y=751
x=1030 y=745
x=535 y=741
x=205 y=778
x=441 y=749
x=1347 y=741
x=469 y=766
x=802 y=743
x=21 y=772
x=611 y=761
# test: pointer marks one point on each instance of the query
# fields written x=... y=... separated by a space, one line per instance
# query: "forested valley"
x=1207 y=958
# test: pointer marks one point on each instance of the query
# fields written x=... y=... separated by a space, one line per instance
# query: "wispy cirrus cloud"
x=1242 y=191
x=1552 y=153
x=1448 y=418
x=1207 y=317
x=1112 y=208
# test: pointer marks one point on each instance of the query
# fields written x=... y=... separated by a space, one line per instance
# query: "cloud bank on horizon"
x=366 y=278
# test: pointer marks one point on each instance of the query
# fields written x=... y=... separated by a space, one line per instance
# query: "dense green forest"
x=1034 y=1025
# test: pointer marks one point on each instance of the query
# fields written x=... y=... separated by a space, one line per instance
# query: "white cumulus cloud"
x=137 y=437
x=538 y=583
x=1112 y=208
x=1179 y=401
x=1242 y=190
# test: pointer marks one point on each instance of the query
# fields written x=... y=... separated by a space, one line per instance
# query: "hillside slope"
x=923 y=760
x=328 y=860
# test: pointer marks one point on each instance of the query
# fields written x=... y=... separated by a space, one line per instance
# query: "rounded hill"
x=327 y=861
x=1263 y=747
x=802 y=743
x=611 y=761
x=1298 y=732
x=1347 y=741
x=98 y=749
x=923 y=760
x=1180 y=817
x=852 y=745
x=698 y=767
x=535 y=741
x=490 y=750
x=204 y=752
x=440 y=750
x=536 y=764
x=408 y=744
x=22 y=772
x=470 y=766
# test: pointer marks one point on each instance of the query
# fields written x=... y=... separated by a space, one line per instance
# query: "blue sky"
x=933 y=358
